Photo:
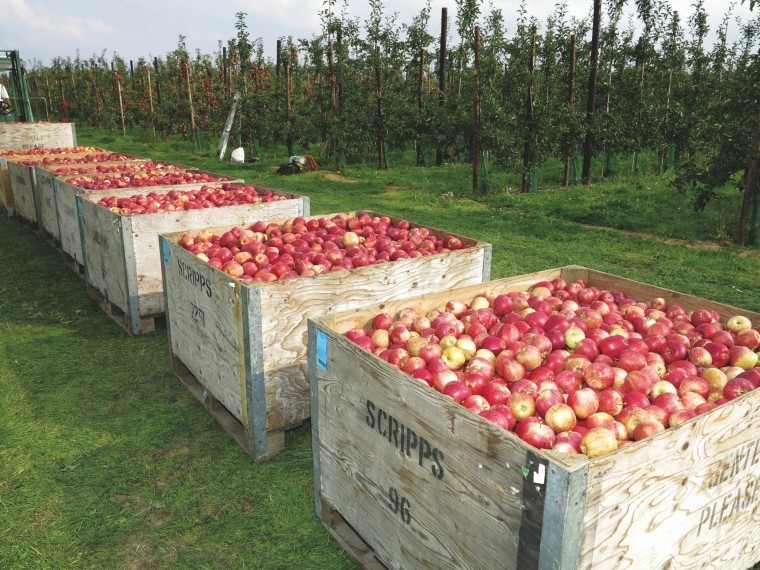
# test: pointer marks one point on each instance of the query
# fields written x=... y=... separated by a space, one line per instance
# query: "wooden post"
x=121 y=103
x=288 y=111
x=333 y=105
x=382 y=165
x=193 y=132
x=588 y=144
x=441 y=79
x=420 y=104
x=528 y=143
x=150 y=102
x=476 y=115
x=570 y=103
x=158 y=82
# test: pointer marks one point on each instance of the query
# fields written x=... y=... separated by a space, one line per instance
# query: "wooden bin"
x=6 y=194
x=240 y=347
x=68 y=216
x=122 y=265
x=36 y=135
x=406 y=478
x=24 y=197
x=46 y=184
x=27 y=172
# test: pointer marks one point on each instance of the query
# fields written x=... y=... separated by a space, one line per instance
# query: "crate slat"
x=36 y=135
x=22 y=188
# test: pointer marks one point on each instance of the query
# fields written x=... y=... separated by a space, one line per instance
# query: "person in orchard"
x=5 y=101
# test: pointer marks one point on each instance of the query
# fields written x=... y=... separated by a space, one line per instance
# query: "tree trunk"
x=749 y=219
x=441 y=79
x=588 y=144
x=476 y=115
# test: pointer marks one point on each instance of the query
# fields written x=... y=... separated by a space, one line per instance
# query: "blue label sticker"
x=322 y=351
x=165 y=250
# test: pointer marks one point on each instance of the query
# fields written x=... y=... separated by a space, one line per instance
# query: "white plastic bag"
x=238 y=155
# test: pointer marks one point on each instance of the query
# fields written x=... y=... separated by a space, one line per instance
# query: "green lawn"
x=106 y=461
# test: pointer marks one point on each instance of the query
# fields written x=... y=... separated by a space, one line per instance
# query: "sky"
x=43 y=29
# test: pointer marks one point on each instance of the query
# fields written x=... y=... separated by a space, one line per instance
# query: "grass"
x=106 y=461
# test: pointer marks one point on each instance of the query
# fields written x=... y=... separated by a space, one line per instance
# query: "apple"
x=457 y=390
x=453 y=357
x=496 y=392
x=546 y=399
x=560 y=417
x=598 y=419
x=738 y=323
x=695 y=384
x=598 y=441
x=632 y=416
x=529 y=356
x=502 y=417
x=749 y=338
x=737 y=386
x=610 y=401
x=742 y=357
x=646 y=429
x=538 y=434
x=680 y=416
x=573 y=335
x=584 y=402
x=476 y=404
x=522 y=405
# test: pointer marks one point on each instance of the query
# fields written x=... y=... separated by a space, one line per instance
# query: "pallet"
x=73 y=264
x=144 y=325
x=242 y=434
x=349 y=539
x=427 y=484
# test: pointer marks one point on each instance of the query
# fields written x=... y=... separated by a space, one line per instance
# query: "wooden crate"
x=68 y=215
x=36 y=135
x=243 y=344
x=46 y=188
x=22 y=182
x=6 y=194
x=121 y=262
x=406 y=478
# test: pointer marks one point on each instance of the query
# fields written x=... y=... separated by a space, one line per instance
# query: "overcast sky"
x=43 y=29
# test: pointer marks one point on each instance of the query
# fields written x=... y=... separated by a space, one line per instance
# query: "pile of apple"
x=570 y=367
x=110 y=168
x=137 y=179
x=83 y=159
x=270 y=251
x=40 y=150
x=181 y=200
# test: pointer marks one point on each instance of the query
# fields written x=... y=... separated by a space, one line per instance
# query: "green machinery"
x=14 y=77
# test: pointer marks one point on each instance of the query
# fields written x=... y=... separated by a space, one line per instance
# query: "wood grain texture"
x=688 y=497
x=33 y=135
x=203 y=312
x=68 y=220
x=478 y=500
x=286 y=306
x=48 y=211
x=698 y=485
x=6 y=193
x=22 y=188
